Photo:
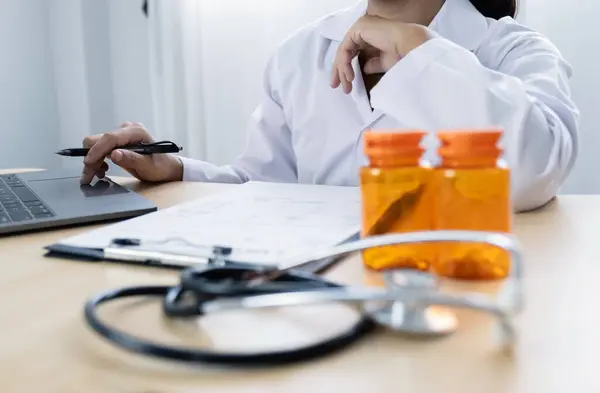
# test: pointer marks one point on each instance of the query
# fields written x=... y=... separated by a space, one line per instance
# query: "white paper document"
x=264 y=223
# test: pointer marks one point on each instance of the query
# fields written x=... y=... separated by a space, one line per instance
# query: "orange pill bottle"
x=396 y=198
x=472 y=189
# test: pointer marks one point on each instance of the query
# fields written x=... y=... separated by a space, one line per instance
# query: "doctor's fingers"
x=339 y=77
x=349 y=48
x=132 y=162
x=132 y=123
x=89 y=173
x=374 y=65
x=102 y=145
x=342 y=74
x=91 y=140
x=101 y=173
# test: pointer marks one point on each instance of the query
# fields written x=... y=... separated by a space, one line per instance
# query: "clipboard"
x=263 y=223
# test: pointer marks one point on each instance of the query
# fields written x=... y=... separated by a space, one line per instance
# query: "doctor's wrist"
x=410 y=36
x=175 y=169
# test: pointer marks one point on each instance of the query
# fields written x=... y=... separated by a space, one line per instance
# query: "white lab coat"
x=477 y=72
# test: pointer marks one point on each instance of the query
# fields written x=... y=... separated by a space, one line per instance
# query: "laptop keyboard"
x=18 y=203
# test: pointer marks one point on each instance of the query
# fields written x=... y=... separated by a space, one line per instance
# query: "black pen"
x=162 y=147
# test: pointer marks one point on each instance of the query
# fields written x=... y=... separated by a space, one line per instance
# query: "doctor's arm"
x=268 y=155
x=440 y=85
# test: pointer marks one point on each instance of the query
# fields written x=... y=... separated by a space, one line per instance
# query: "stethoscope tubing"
x=357 y=331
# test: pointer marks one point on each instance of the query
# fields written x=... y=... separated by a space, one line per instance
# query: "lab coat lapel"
x=460 y=22
x=335 y=29
x=361 y=98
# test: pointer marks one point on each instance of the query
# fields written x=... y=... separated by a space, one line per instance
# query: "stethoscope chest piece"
x=418 y=322
x=415 y=320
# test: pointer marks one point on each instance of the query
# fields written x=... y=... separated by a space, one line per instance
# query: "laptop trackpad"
x=69 y=189
x=102 y=188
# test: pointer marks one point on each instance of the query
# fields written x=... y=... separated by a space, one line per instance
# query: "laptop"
x=49 y=199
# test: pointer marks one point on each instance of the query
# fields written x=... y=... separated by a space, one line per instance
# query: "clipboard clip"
x=127 y=249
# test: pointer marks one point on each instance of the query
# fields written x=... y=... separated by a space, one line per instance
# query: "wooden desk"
x=45 y=345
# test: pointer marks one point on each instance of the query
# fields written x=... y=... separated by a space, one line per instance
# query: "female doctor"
x=390 y=64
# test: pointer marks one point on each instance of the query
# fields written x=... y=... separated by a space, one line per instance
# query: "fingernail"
x=117 y=155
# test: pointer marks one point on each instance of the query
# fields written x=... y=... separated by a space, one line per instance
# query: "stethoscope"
x=403 y=306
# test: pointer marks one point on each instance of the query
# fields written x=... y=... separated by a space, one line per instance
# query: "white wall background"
x=129 y=56
x=28 y=110
x=573 y=27
x=69 y=68
x=232 y=72
x=54 y=78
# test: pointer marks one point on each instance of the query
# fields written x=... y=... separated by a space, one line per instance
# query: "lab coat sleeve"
x=268 y=155
x=441 y=85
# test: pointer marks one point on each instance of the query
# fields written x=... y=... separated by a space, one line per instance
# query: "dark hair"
x=496 y=9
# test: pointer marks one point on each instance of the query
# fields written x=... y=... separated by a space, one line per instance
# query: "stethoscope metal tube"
x=415 y=299
x=513 y=286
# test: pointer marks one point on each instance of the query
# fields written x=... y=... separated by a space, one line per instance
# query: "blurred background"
x=191 y=71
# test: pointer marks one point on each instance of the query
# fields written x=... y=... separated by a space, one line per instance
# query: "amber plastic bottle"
x=472 y=190
x=396 y=198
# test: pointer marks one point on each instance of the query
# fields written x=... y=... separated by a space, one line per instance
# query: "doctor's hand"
x=151 y=168
x=384 y=42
